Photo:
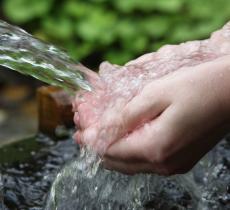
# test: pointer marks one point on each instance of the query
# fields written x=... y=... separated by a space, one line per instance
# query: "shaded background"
x=95 y=30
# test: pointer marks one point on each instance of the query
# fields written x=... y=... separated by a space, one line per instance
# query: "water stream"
x=22 y=52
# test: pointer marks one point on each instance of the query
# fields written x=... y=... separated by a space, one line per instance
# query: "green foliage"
x=119 y=30
x=21 y=11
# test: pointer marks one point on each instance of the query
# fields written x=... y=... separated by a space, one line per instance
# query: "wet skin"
x=169 y=124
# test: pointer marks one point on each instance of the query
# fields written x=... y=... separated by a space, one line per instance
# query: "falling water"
x=79 y=187
x=22 y=52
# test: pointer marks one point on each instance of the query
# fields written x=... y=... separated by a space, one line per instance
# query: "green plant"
x=95 y=30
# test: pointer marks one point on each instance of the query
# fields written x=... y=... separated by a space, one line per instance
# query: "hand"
x=117 y=82
x=170 y=125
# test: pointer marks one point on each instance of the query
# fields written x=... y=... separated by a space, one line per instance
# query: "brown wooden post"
x=54 y=109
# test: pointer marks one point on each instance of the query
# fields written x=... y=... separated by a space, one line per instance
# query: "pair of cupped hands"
x=168 y=125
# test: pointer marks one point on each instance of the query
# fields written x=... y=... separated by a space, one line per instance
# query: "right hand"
x=184 y=120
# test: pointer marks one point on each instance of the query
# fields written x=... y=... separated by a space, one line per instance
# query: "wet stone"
x=27 y=182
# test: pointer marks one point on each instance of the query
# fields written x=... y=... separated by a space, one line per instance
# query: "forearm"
x=171 y=57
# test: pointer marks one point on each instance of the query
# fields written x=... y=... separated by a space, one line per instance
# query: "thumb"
x=144 y=107
x=115 y=124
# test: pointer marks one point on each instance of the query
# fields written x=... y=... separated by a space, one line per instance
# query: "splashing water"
x=100 y=189
x=26 y=183
x=80 y=187
x=21 y=52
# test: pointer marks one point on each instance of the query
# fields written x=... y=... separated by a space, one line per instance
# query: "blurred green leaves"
x=104 y=21
x=129 y=6
x=120 y=30
x=21 y=11
x=59 y=28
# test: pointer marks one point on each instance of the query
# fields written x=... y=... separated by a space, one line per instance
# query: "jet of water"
x=22 y=52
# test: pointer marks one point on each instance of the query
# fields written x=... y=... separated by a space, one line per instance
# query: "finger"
x=77 y=137
x=92 y=77
x=86 y=114
x=83 y=96
x=115 y=125
x=137 y=145
x=142 y=59
x=103 y=131
x=79 y=98
x=144 y=107
x=107 y=68
x=76 y=119
x=89 y=136
x=127 y=149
